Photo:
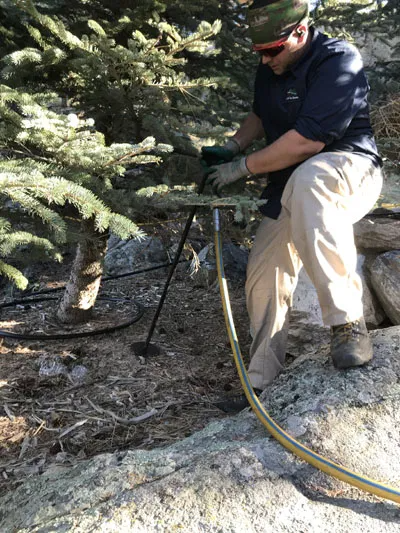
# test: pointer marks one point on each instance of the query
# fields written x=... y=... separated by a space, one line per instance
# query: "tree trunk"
x=80 y=295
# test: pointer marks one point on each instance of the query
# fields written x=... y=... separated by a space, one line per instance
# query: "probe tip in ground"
x=141 y=350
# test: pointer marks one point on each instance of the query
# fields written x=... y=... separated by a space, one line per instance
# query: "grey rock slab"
x=235 y=264
x=125 y=256
x=378 y=234
x=235 y=260
x=385 y=278
x=307 y=333
x=373 y=312
x=305 y=299
x=233 y=476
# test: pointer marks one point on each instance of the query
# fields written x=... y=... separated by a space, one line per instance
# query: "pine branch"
x=36 y=208
x=9 y=243
x=14 y=275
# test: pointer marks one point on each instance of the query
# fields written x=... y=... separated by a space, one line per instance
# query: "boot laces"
x=346 y=332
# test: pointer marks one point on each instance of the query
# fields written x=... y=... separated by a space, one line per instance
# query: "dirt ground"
x=63 y=401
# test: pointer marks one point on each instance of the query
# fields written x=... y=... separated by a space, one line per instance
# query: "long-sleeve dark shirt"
x=324 y=98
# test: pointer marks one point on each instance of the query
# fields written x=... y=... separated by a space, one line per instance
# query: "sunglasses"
x=272 y=52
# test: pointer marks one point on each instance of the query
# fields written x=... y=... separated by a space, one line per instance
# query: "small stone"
x=295 y=426
x=79 y=373
x=52 y=367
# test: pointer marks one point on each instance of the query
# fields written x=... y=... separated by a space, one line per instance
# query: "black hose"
x=109 y=278
x=393 y=215
x=59 y=336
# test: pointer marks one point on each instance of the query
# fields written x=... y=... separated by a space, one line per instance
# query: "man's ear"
x=300 y=31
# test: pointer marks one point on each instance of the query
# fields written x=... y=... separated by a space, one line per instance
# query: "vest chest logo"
x=291 y=95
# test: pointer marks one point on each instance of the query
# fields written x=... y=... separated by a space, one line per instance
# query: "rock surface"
x=378 y=234
x=126 y=256
x=305 y=299
x=235 y=264
x=307 y=332
x=232 y=476
x=385 y=278
x=373 y=312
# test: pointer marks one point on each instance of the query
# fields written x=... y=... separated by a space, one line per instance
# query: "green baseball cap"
x=272 y=21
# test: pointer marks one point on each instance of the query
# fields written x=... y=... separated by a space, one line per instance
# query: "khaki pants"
x=322 y=200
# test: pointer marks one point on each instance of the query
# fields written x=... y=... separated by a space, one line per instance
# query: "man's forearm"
x=249 y=131
x=288 y=150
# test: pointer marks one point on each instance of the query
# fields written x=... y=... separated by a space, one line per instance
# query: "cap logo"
x=260 y=20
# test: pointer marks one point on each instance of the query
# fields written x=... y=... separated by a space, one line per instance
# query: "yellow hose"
x=316 y=460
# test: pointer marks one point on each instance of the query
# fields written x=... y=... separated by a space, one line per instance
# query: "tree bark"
x=76 y=306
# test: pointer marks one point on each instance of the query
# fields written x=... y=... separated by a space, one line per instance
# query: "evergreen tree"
x=129 y=89
x=53 y=159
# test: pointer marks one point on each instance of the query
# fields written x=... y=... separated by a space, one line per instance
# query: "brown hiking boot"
x=350 y=344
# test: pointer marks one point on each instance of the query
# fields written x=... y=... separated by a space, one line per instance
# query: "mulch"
x=63 y=401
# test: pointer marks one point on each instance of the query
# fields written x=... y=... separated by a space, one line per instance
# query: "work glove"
x=215 y=155
x=227 y=173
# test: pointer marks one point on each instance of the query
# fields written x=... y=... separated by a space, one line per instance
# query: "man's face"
x=293 y=49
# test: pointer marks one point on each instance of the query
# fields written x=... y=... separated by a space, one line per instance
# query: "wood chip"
x=71 y=428
x=24 y=446
x=120 y=420
x=8 y=412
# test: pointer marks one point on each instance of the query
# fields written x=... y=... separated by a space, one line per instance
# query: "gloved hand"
x=226 y=173
x=215 y=155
